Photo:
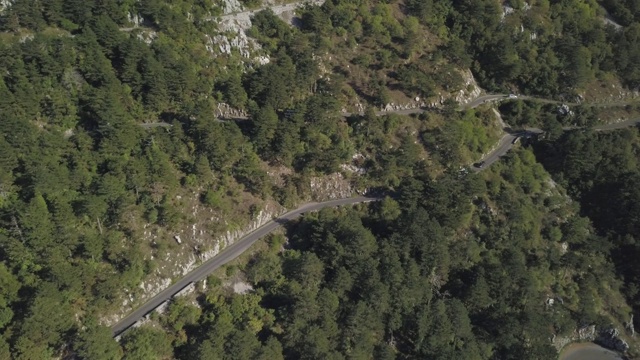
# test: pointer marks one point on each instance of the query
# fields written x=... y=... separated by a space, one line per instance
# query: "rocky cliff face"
x=587 y=333
x=471 y=89
x=196 y=246
x=224 y=111
x=5 y=4
x=630 y=327
x=608 y=338
x=468 y=93
x=236 y=20
x=333 y=186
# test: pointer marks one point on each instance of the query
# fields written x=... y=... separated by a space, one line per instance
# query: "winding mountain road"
x=241 y=245
x=226 y=255
x=241 y=20
x=504 y=145
x=231 y=252
x=484 y=99
x=619 y=125
x=475 y=103
x=507 y=141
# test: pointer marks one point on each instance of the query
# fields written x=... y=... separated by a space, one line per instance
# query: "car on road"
x=513 y=96
x=479 y=164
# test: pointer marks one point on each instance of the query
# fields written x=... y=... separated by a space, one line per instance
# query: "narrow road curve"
x=484 y=99
x=473 y=104
x=507 y=141
x=619 y=125
x=504 y=144
x=226 y=255
x=231 y=252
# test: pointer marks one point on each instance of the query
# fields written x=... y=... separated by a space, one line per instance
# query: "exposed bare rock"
x=135 y=19
x=469 y=92
x=564 y=110
x=262 y=218
x=151 y=287
x=471 y=89
x=353 y=169
x=238 y=40
x=240 y=287
x=68 y=133
x=72 y=79
x=507 y=10
x=25 y=38
x=231 y=6
x=147 y=36
x=197 y=246
x=586 y=333
x=608 y=20
x=503 y=125
x=236 y=20
x=163 y=307
x=210 y=253
x=189 y=289
x=486 y=207
x=610 y=339
x=4 y=5
x=330 y=187
x=141 y=322
x=242 y=18
x=399 y=107
x=224 y=111
x=262 y=60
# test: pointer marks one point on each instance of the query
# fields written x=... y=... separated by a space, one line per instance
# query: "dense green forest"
x=80 y=179
x=601 y=170
x=625 y=12
x=459 y=268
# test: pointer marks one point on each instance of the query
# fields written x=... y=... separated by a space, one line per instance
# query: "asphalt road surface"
x=475 y=103
x=484 y=99
x=619 y=125
x=506 y=142
x=226 y=255
x=231 y=252
x=504 y=145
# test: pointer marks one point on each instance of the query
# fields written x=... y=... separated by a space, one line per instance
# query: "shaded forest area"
x=601 y=170
x=625 y=12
